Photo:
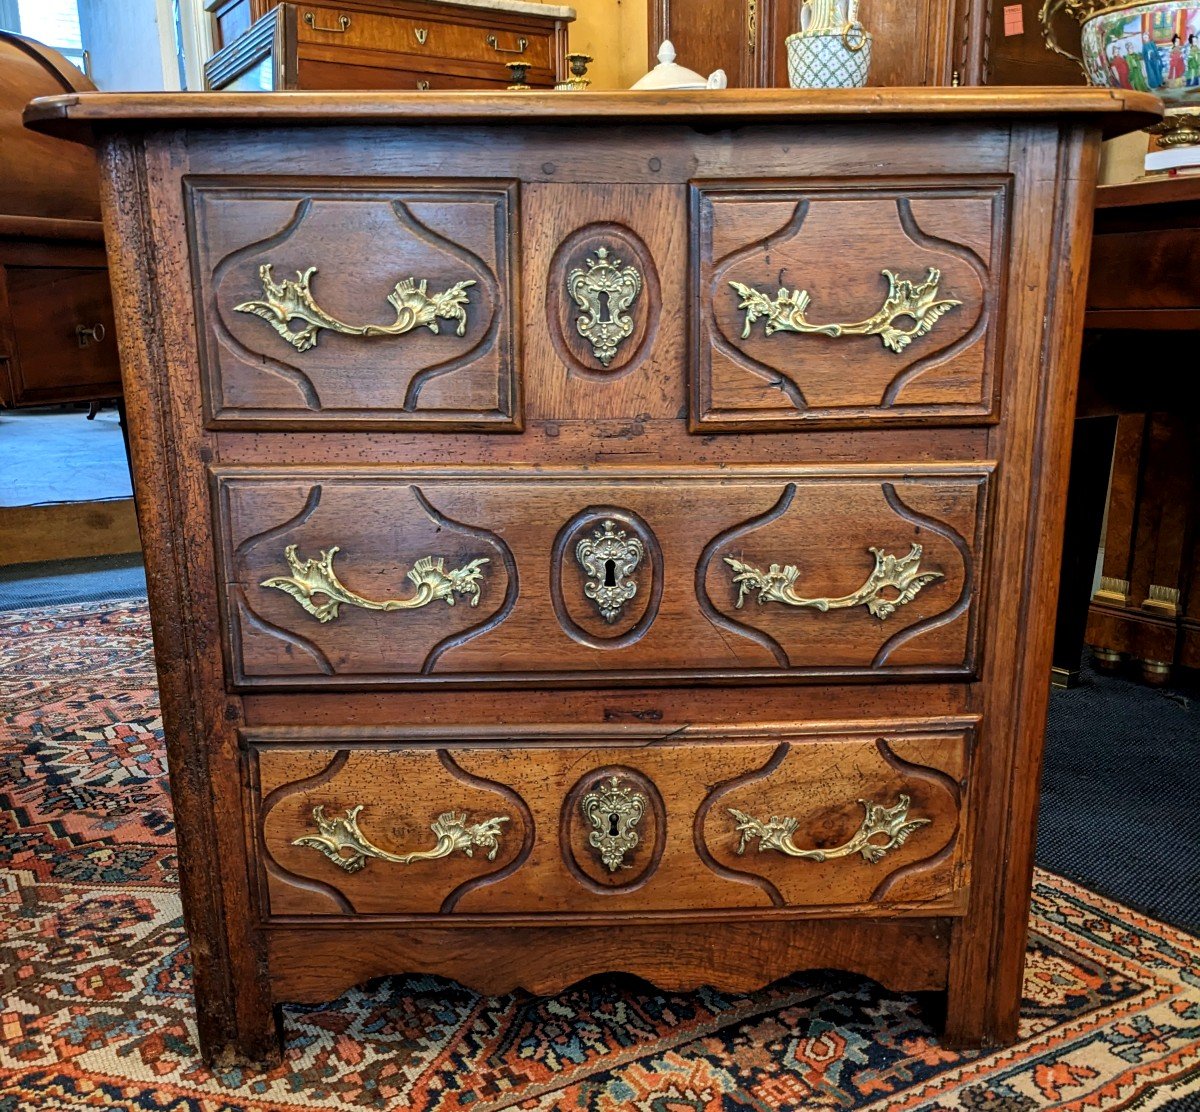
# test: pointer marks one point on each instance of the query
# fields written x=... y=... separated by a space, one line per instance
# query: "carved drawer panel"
x=347 y=304
x=877 y=303
x=563 y=823
x=394 y=576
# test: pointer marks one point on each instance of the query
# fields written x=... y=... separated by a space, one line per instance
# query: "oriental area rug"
x=95 y=1008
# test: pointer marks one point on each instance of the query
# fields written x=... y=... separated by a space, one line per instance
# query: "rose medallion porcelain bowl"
x=1152 y=45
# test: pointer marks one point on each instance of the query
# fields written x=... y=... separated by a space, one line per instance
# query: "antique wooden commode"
x=601 y=532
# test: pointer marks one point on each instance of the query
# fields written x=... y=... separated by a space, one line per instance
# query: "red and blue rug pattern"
x=95 y=1008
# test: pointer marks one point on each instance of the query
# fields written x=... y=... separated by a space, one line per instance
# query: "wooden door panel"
x=356 y=304
x=568 y=827
x=873 y=305
x=497 y=576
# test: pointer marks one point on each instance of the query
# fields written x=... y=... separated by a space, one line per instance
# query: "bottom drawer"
x=563 y=824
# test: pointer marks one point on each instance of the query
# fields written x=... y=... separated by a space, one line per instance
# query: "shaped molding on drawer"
x=564 y=823
x=389 y=576
x=342 y=304
x=820 y=304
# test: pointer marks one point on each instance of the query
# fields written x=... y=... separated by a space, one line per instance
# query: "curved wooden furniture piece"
x=57 y=333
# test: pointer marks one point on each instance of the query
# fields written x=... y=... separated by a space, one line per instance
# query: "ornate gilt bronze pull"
x=613 y=811
x=900 y=573
x=776 y=833
x=428 y=574
x=415 y=307
x=786 y=312
x=604 y=293
x=348 y=848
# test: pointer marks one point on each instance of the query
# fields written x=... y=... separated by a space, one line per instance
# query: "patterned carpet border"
x=95 y=1008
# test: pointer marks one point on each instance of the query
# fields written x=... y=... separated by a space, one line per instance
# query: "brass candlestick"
x=519 y=71
x=578 y=80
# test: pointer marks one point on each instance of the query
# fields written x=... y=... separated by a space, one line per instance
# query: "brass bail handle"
x=1051 y=9
x=343 y=24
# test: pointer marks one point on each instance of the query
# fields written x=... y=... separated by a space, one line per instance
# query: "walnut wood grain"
x=982 y=493
x=311 y=966
x=1115 y=111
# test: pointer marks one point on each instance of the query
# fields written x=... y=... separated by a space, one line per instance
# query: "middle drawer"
x=398 y=577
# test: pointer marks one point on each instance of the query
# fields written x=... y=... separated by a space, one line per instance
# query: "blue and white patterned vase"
x=831 y=50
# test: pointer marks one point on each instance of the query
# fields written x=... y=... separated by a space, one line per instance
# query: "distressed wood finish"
x=545 y=861
x=271 y=712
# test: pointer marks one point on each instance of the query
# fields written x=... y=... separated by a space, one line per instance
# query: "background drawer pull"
x=348 y=848
x=902 y=574
x=287 y=301
x=428 y=574
x=343 y=24
x=786 y=312
x=891 y=823
x=89 y=335
x=522 y=46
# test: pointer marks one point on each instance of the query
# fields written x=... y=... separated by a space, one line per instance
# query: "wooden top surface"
x=77 y=116
x=1149 y=191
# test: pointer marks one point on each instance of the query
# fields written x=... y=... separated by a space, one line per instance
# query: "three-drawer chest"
x=609 y=532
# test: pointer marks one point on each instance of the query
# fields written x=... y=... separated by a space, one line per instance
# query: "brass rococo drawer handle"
x=428 y=574
x=787 y=311
x=899 y=573
x=286 y=301
x=343 y=24
x=776 y=833
x=348 y=848
x=522 y=45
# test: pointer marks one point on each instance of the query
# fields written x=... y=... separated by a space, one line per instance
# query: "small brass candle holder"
x=519 y=71
x=578 y=80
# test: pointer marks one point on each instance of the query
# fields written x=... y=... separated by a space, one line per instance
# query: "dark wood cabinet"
x=602 y=533
x=916 y=42
x=377 y=44
x=57 y=340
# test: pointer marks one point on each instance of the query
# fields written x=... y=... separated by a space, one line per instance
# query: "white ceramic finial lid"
x=668 y=75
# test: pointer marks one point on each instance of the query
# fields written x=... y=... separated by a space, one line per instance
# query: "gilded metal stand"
x=415 y=307
x=900 y=573
x=429 y=574
x=787 y=311
x=348 y=848
x=776 y=833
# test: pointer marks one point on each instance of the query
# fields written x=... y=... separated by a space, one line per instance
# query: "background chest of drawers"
x=385 y=44
x=625 y=546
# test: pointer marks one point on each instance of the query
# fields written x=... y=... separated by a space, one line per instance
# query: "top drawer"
x=353 y=304
x=864 y=304
x=395 y=34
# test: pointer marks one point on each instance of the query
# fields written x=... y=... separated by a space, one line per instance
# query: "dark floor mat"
x=1120 y=795
x=95 y=579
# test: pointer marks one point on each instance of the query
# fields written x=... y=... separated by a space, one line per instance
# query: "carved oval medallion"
x=613 y=829
x=606 y=577
x=602 y=300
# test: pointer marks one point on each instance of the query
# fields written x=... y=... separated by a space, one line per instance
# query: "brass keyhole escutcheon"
x=614 y=810
x=610 y=558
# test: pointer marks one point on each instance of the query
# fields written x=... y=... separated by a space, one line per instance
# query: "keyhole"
x=610 y=573
x=604 y=316
x=613 y=821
